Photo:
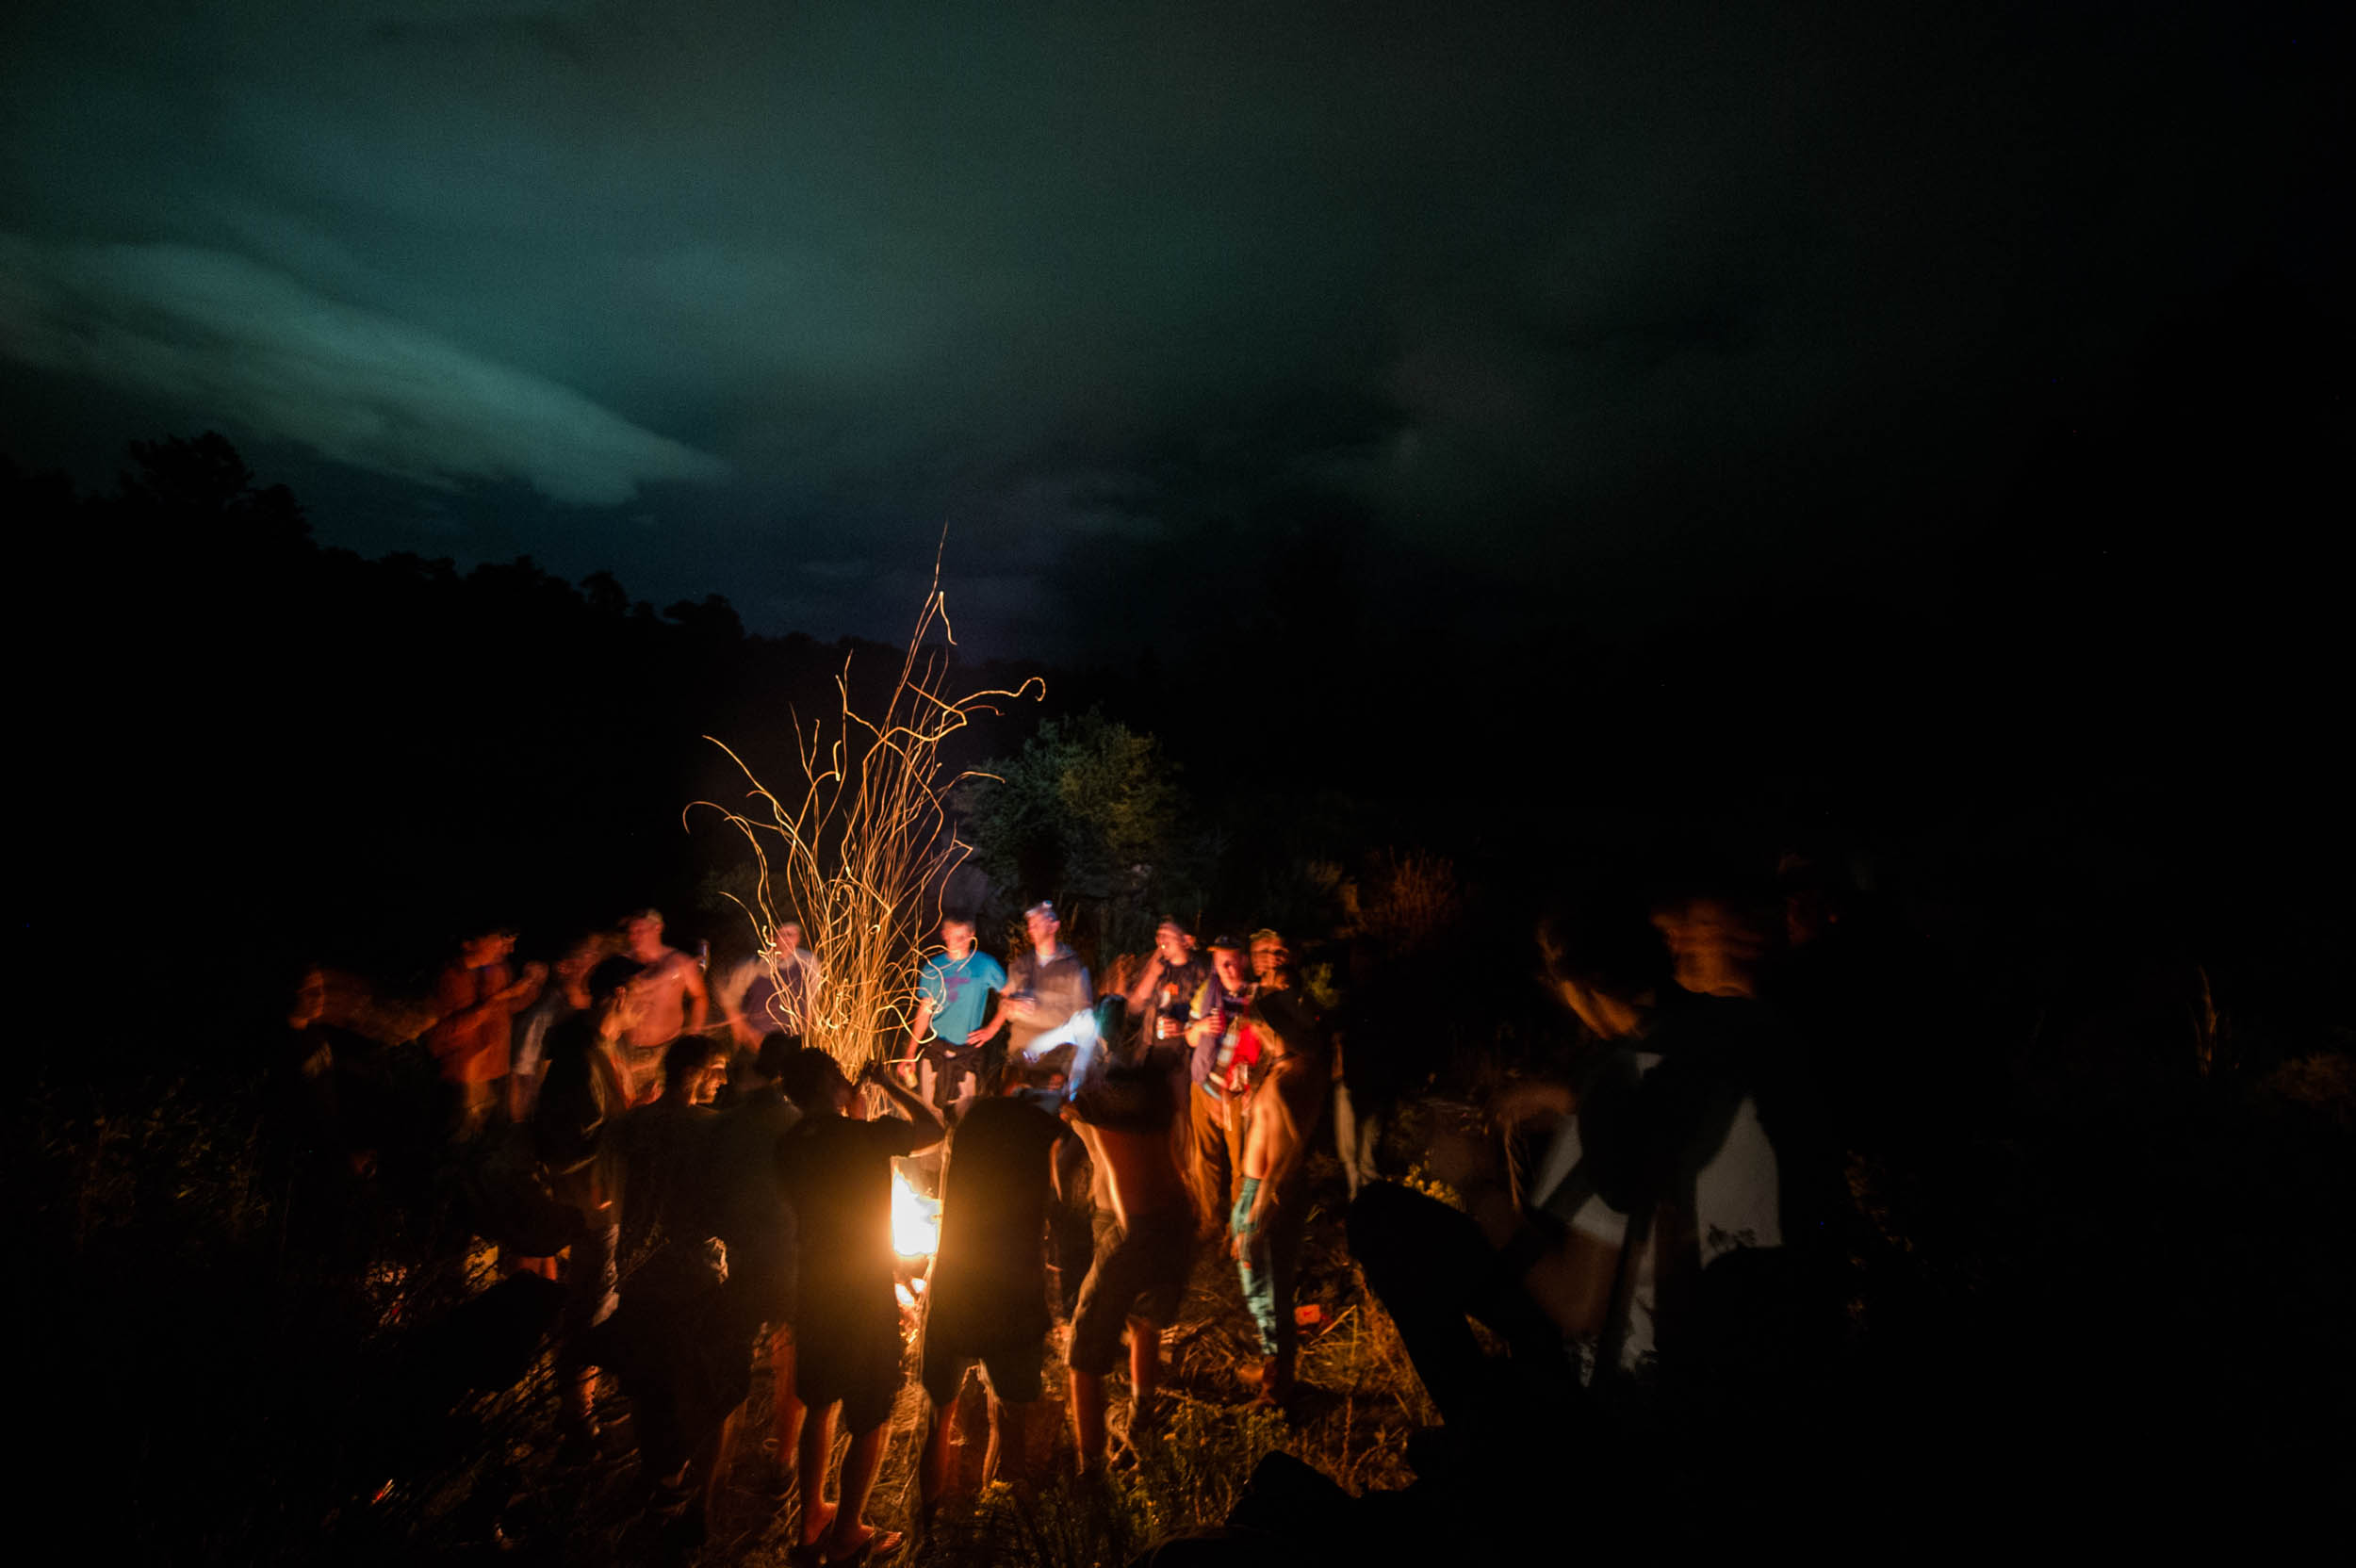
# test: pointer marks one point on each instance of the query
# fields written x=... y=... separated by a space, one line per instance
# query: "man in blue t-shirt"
x=952 y=989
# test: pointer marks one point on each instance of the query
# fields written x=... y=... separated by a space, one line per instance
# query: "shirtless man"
x=670 y=1000
x=1273 y=1200
x=1144 y=1232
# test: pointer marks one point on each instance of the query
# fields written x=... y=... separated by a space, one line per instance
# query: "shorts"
x=1013 y=1370
x=1139 y=1273
x=851 y=1353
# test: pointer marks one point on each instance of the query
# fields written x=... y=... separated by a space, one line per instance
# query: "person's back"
x=1124 y=1116
x=1716 y=1152
x=749 y=1210
x=1144 y=1230
x=989 y=1277
x=665 y=1147
x=580 y=1098
x=837 y=1175
x=839 y=1180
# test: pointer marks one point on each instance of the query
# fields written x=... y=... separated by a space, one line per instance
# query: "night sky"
x=1581 y=308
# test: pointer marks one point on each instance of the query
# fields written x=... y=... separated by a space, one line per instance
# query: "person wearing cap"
x=1220 y=1069
x=1163 y=995
x=1044 y=988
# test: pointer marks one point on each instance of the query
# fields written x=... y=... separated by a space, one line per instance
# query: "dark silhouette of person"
x=582 y=1101
x=986 y=1295
x=837 y=1173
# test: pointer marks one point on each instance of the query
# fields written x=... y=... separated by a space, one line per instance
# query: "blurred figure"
x=1161 y=998
x=985 y=1298
x=1271 y=1207
x=707 y=1067
x=1366 y=1052
x=1537 y=1263
x=567 y=994
x=1218 y=1067
x=1144 y=1233
x=1708 y=1139
x=680 y=1336
x=1045 y=987
x=1271 y=960
x=1714 y=947
x=476 y=998
x=742 y=996
x=750 y=1215
x=313 y=1155
x=662 y=1145
x=953 y=990
x=837 y=1173
x=671 y=998
x=309 y=1057
x=582 y=1101
x=783 y=990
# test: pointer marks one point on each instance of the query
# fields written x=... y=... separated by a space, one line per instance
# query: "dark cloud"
x=1531 y=289
x=210 y=331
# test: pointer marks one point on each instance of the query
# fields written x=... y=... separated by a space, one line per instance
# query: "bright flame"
x=915 y=1221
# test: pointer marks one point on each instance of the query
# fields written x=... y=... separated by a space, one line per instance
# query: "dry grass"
x=1358 y=1401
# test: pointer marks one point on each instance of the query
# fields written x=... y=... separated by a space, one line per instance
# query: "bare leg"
x=720 y=1451
x=1145 y=1365
x=1014 y=1442
x=787 y=1404
x=1088 y=1417
x=816 y=1448
x=581 y=1398
x=932 y=1465
x=851 y=1530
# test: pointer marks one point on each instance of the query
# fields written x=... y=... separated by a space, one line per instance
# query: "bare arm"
x=927 y=1120
x=446 y=1030
x=922 y=1025
x=698 y=999
x=1149 y=978
x=1537 y=1100
x=1064 y=1164
x=988 y=1030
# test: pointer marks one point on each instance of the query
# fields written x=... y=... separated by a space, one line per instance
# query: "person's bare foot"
x=861 y=1544
x=817 y=1522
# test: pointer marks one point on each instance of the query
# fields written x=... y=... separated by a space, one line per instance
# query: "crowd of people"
x=1643 y=1226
